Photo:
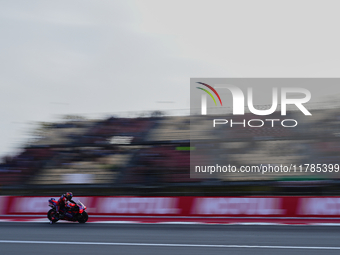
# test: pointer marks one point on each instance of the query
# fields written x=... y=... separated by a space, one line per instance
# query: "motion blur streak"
x=176 y=245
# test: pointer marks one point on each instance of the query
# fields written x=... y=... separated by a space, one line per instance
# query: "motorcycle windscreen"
x=81 y=205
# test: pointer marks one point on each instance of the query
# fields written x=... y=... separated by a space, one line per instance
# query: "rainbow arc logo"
x=209 y=93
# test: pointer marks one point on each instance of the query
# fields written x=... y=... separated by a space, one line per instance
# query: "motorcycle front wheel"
x=82 y=218
x=51 y=215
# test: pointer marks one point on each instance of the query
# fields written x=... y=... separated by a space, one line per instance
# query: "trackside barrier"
x=327 y=207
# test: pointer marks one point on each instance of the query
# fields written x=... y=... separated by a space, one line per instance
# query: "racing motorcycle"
x=75 y=212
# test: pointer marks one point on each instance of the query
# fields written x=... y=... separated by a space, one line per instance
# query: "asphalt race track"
x=105 y=238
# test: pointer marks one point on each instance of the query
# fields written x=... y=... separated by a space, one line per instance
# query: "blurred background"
x=95 y=95
x=150 y=155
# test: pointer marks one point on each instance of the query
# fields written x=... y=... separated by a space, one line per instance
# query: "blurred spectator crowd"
x=156 y=150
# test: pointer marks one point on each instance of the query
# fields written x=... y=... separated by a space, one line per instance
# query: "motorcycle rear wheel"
x=50 y=215
x=82 y=218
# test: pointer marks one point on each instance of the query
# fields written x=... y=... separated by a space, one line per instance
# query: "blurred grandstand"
x=151 y=155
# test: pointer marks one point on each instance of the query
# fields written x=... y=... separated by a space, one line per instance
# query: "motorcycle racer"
x=63 y=204
x=70 y=210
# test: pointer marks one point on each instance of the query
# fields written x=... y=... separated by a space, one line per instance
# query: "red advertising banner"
x=185 y=206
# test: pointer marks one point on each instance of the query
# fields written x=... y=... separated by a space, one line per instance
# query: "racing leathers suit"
x=62 y=205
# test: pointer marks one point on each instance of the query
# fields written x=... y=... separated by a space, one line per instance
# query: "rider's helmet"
x=69 y=195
